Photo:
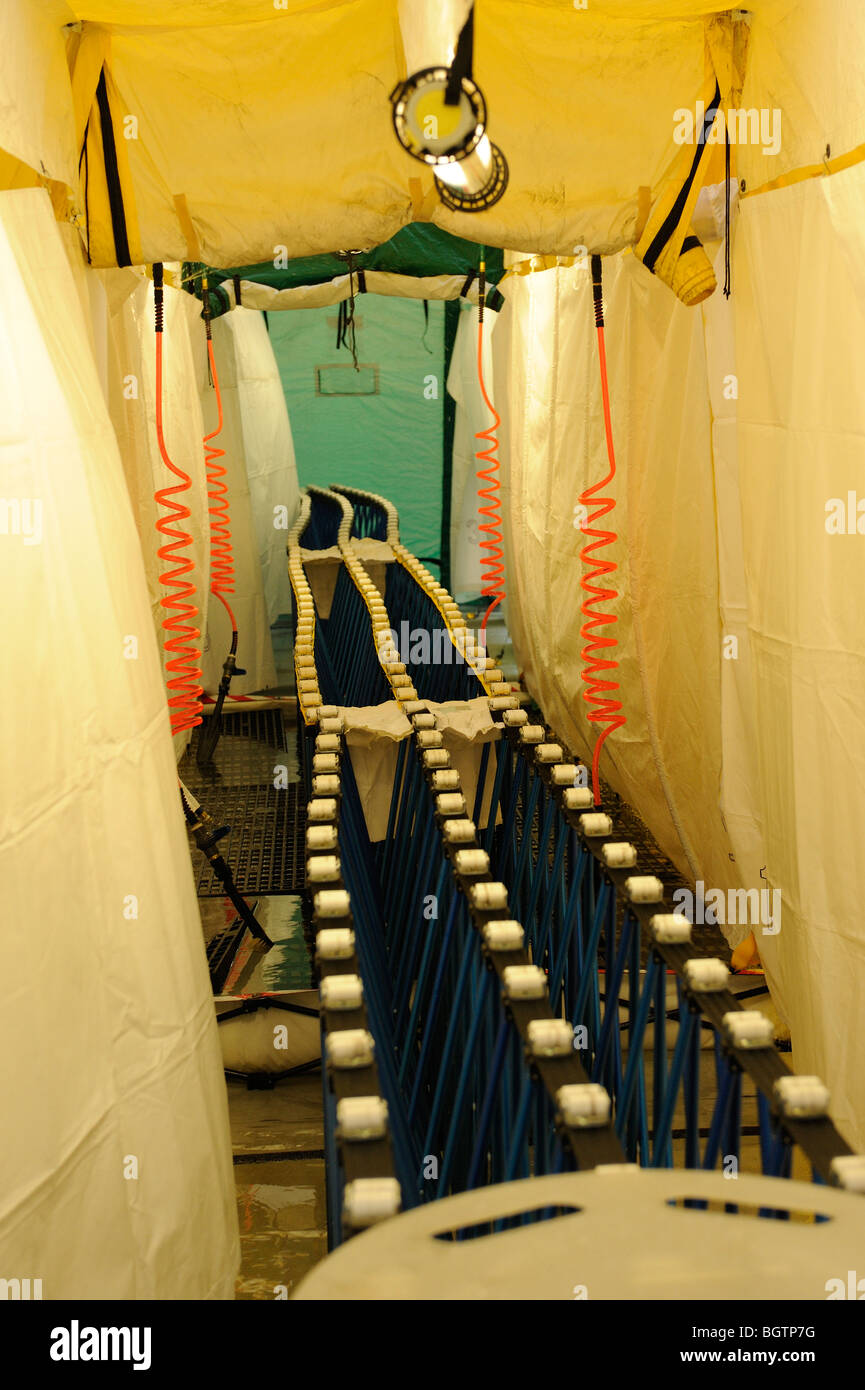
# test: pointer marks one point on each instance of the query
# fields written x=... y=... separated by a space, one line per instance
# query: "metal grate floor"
x=265 y=847
x=248 y=752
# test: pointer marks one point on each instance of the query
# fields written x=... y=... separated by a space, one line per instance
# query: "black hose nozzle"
x=598 y=291
x=157 y=294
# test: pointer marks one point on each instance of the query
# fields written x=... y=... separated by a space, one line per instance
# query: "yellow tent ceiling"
x=201 y=13
x=242 y=127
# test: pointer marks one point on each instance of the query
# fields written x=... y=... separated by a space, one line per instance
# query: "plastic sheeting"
x=131 y=398
x=471 y=415
x=667 y=759
x=115 y=1170
x=247 y=601
x=420 y=262
x=187 y=395
x=741 y=635
x=37 y=129
x=800 y=292
x=251 y=385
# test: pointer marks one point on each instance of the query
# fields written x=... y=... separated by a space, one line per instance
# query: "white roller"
x=369 y=1200
x=341 y=993
x=505 y=935
x=583 y=1106
x=550 y=1037
x=524 y=982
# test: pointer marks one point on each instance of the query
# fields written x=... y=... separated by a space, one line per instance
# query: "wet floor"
x=278 y=1140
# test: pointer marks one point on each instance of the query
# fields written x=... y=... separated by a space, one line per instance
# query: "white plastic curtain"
x=115 y=1169
x=667 y=759
x=247 y=602
x=800 y=321
x=132 y=404
x=740 y=624
x=188 y=413
x=251 y=384
x=470 y=416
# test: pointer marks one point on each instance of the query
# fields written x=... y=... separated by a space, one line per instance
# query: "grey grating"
x=265 y=847
x=247 y=752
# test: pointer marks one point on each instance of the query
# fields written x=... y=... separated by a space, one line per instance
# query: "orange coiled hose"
x=221 y=554
x=184 y=704
x=492 y=564
x=597 y=688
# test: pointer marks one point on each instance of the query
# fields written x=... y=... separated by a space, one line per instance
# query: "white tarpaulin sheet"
x=250 y=373
x=131 y=382
x=741 y=629
x=247 y=602
x=188 y=413
x=800 y=312
x=471 y=415
x=115 y=1169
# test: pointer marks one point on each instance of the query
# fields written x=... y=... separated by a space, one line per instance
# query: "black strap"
x=236 y=282
x=112 y=175
x=727 y=284
x=671 y=221
x=462 y=64
x=467 y=283
x=361 y=281
x=86 y=157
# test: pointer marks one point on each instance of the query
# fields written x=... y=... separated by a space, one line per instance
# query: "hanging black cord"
x=205 y=314
x=86 y=158
x=727 y=282
x=345 y=331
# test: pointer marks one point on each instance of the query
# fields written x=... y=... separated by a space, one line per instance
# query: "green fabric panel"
x=391 y=442
x=419 y=249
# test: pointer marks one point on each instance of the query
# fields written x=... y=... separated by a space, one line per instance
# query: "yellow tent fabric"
x=241 y=128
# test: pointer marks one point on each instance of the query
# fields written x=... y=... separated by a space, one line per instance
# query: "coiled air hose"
x=598 y=687
x=184 y=680
x=492 y=564
x=221 y=551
